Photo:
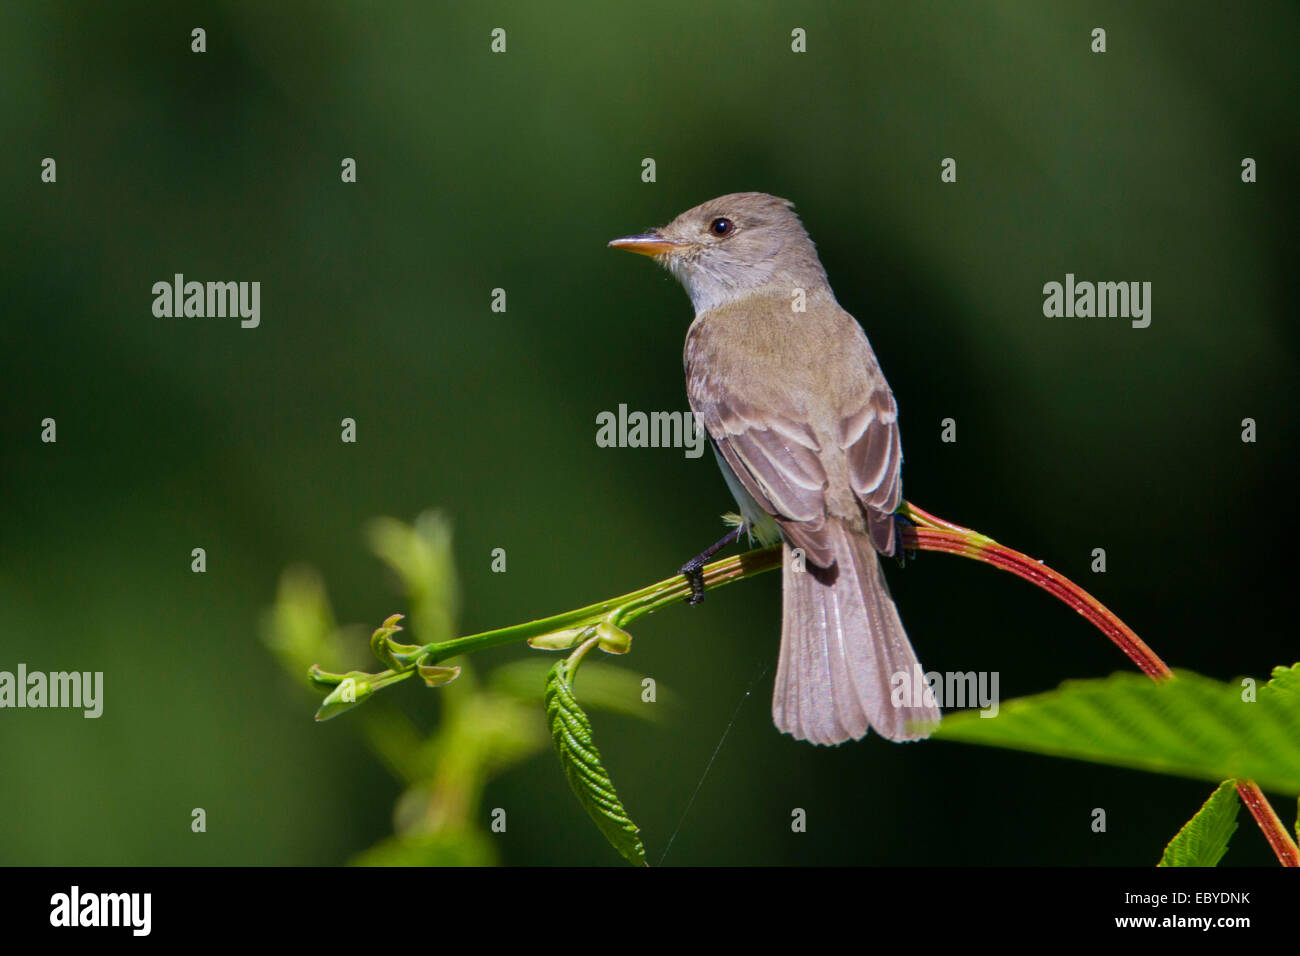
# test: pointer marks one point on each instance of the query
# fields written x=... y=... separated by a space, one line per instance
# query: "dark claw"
x=694 y=568
x=902 y=556
x=693 y=571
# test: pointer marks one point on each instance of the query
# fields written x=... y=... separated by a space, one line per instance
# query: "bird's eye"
x=721 y=227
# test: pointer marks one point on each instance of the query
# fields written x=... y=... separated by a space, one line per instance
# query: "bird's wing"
x=869 y=437
x=777 y=460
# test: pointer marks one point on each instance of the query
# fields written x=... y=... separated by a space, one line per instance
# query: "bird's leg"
x=694 y=568
x=901 y=522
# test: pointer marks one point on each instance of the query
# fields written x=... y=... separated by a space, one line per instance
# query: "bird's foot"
x=901 y=555
x=693 y=570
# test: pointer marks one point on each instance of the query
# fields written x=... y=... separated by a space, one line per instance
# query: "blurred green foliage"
x=439 y=819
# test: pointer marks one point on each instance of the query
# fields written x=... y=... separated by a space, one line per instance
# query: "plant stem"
x=935 y=534
x=925 y=533
x=1274 y=830
x=628 y=607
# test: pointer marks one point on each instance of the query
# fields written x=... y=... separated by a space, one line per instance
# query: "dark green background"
x=479 y=171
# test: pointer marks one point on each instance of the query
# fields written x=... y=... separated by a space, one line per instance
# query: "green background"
x=478 y=171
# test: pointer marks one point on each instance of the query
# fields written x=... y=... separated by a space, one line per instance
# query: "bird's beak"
x=648 y=244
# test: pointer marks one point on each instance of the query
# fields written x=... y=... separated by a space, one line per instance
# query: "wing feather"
x=778 y=462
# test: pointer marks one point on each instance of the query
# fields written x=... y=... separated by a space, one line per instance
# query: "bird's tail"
x=841 y=646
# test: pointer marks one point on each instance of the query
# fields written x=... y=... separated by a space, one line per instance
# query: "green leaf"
x=350 y=692
x=561 y=640
x=613 y=639
x=571 y=731
x=355 y=688
x=381 y=646
x=1192 y=726
x=436 y=676
x=1204 y=838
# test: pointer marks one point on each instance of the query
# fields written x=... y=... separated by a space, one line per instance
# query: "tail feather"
x=841 y=644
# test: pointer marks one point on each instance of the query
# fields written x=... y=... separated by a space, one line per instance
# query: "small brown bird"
x=805 y=429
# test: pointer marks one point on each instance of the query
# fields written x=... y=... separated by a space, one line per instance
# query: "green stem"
x=627 y=607
x=926 y=533
x=575 y=659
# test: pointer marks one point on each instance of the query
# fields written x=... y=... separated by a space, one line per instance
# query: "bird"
x=805 y=430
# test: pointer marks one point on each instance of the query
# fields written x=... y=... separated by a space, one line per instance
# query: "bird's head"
x=732 y=246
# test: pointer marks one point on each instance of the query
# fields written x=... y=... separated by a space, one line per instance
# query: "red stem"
x=934 y=534
x=1267 y=818
x=1054 y=583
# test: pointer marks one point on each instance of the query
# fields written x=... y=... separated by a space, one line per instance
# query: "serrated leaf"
x=1285 y=680
x=1192 y=726
x=1204 y=838
x=571 y=732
